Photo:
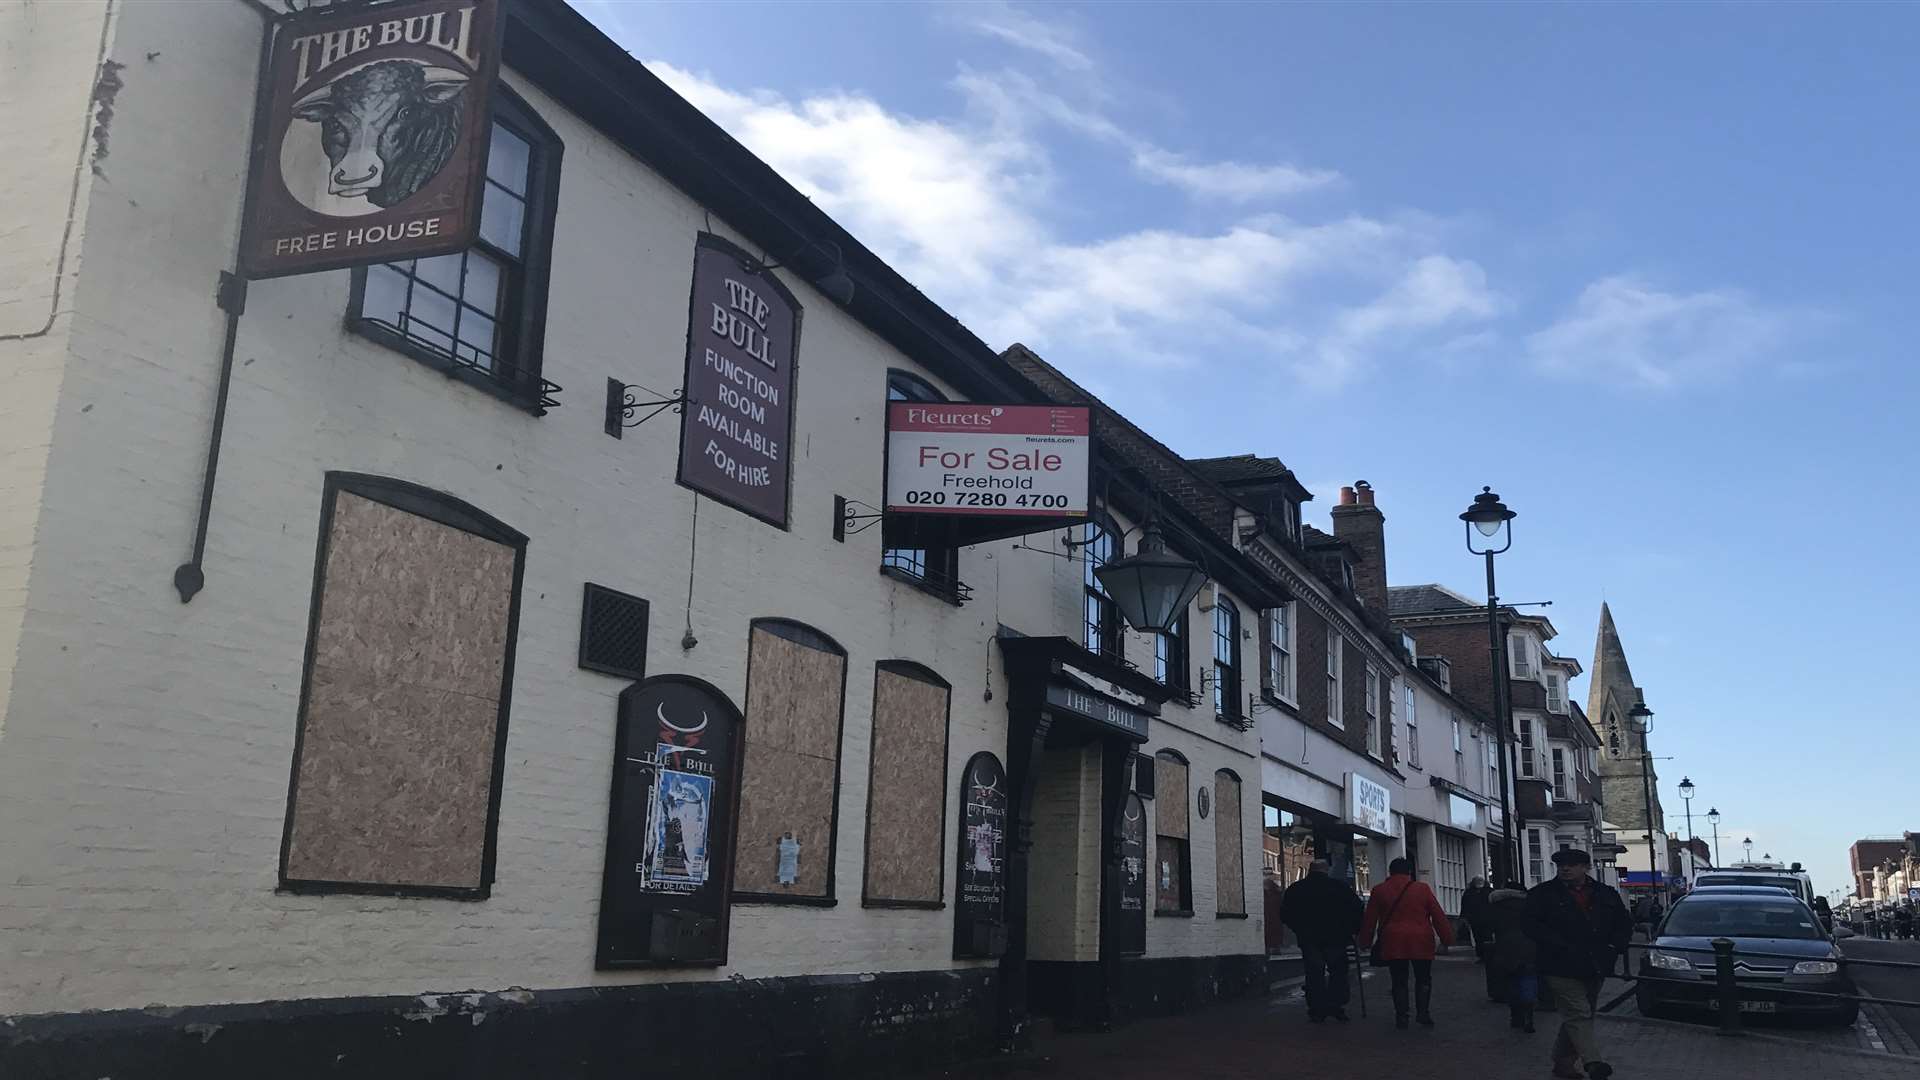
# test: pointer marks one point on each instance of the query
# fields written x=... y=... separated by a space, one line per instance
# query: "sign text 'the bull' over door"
x=371 y=141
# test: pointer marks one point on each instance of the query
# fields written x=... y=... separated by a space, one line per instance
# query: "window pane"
x=476 y=339
x=441 y=272
x=385 y=295
x=483 y=283
x=507 y=160
x=502 y=220
x=430 y=319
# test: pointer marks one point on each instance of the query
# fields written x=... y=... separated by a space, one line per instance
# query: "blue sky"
x=1647 y=270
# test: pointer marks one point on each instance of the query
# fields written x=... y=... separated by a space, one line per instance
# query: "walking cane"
x=1359 y=978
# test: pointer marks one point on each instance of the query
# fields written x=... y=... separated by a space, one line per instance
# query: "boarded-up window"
x=790 y=770
x=1173 y=870
x=906 y=796
x=1228 y=860
x=398 y=752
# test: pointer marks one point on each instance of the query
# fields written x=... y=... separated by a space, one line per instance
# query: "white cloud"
x=966 y=209
x=1623 y=329
x=1024 y=31
x=1231 y=180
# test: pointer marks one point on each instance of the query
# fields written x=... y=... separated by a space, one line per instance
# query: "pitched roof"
x=1423 y=599
x=1236 y=470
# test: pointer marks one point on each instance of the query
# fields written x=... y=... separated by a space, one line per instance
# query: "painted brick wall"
x=144 y=779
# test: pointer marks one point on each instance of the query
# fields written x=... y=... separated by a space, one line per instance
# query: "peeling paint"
x=205 y=1031
x=105 y=90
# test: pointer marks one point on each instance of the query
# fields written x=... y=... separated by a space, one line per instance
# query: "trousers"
x=1327 y=989
x=1576 y=999
x=1422 y=972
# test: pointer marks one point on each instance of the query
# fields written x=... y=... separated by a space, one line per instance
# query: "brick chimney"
x=1363 y=527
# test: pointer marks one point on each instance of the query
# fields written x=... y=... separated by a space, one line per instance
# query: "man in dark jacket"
x=1324 y=915
x=1579 y=928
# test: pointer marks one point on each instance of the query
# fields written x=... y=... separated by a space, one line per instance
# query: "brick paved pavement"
x=1271 y=1038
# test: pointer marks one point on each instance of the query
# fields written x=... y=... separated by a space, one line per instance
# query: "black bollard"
x=1728 y=991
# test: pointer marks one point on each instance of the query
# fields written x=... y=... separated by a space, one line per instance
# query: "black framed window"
x=1170 y=657
x=1226 y=660
x=935 y=563
x=480 y=314
x=1101 y=545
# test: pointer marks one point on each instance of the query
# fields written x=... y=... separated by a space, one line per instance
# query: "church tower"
x=1610 y=700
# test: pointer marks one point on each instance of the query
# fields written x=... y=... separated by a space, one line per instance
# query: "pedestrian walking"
x=1514 y=961
x=1477 y=912
x=1579 y=927
x=1407 y=917
x=1323 y=914
x=1903 y=919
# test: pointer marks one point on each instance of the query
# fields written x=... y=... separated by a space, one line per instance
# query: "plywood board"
x=907 y=802
x=1228 y=859
x=1170 y=798
x=397 y=744
x=791 y=743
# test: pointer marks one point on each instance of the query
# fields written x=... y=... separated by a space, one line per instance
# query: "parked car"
x=1795 y=882
x=1779 y=947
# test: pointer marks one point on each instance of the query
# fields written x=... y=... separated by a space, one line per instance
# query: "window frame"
x=1335 y=670
x=523 y=303
x=1226 y=672
x=1413 y=724
x=1528 y=747
x=1171 y=656
x=916 y=566
x=1557 y=758
x=1093 y=597
x=1370 y=706
x=1282 y=654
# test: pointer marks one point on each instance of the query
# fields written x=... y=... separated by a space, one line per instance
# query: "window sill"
x=1158 y=914
x=1272 y=698
x=520 y=397
x=1229 y=914
x=1238 y=723
x=782 y=900
x=907 y=905
x=955 y=593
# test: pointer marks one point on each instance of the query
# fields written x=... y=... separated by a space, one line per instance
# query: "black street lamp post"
x=1641 y=718
x=1749 y=845
x=1686 y=799
x=1713 y=819
x=1488 y=518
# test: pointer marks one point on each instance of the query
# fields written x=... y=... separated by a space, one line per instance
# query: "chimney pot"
x=1365 y=491
x=1346 y=496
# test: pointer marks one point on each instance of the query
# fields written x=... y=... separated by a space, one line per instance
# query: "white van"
x=1793 y=879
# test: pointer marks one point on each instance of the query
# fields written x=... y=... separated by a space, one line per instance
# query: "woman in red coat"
x=1407 y=917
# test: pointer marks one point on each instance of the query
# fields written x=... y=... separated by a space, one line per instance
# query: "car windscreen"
x=1792 y=885
x=1706 y=917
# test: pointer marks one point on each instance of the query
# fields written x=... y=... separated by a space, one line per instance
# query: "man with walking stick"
x=1323 y=914
x=1579 y=928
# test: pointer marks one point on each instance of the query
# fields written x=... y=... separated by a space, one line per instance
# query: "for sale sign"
x=995 y=460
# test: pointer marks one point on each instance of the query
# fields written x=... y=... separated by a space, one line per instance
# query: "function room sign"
x=371 y=140
x=737 y=423
x=996 y=460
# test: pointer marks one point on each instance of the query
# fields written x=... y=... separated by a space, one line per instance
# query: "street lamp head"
x=1153 y=586
x=1713 y=815
x=1686 y=788
x=1640 y=717
x=1488 y=517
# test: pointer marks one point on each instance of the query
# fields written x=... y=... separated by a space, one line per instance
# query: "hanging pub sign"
x=370 y=141
x=1131 y=928
x=979 y=924
x=957 y=457
x=736 y=427
x=670 y=823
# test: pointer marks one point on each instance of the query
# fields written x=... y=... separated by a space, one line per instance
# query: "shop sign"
x=736 y=426
x=670 y=826
x=1369 y=805
x=1462 y=813
x=980 y=898
x=370 y=143
x=961 y=458
x=1131 y=926
x=1129 y=722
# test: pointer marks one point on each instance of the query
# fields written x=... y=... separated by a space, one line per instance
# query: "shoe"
x=1341 y=1015
x=1599 y=1070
